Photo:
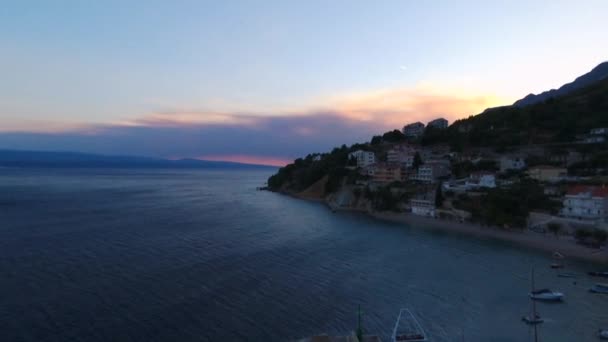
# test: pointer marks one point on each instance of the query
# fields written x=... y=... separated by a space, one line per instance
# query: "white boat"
x=533 y=318
x=599 y=274
x=546 y=295
x=603 y=333
x=599 y=288
x=408 y=328
x=566 y=275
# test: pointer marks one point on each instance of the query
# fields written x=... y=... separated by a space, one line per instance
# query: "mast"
x=359 y=329
x=533 y=314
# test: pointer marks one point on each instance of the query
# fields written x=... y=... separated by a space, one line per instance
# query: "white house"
x=584 y=202
x=363 y=158
x=599 y=131
x=440 y=123
x=595 y=139
x=481 y=180
x=424 y=204
x=413 y=130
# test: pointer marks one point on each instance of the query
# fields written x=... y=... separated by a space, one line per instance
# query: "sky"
x=269 y=81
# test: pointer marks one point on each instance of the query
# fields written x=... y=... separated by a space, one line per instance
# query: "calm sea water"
x=161 y=255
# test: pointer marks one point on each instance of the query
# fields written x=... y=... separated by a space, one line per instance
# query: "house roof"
x=595 y=191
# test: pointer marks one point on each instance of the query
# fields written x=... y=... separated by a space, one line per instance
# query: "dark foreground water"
x=161 y=255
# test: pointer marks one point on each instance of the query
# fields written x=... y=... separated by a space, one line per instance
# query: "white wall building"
x=481 y=180
x=586 y=203
x=413 y=130
x=364 y=158
x=423 y=206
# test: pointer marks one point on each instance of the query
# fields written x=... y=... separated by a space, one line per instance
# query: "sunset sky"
x=268 y=81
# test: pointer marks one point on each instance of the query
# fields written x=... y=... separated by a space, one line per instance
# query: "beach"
x=565 y=245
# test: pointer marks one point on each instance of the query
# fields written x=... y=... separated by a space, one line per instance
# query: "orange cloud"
x=248 y=159
x=395 y=107
x=385 y=108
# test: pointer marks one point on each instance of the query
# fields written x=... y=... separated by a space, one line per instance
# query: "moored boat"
x=599 y=288
x=546 y=295
x=566 y=275
x=533 y=317
x=598 y=274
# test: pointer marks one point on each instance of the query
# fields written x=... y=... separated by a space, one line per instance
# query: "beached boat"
x=599 y=274
x=407 y=328
x=599 y=288
x=603 y=333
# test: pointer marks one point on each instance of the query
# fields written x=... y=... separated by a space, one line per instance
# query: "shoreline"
x=565 y=245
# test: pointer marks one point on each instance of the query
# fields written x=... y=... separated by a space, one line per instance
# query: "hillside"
x=555 y=120
x=598 y=73
x=561 y=119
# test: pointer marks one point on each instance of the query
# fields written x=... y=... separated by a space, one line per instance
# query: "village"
x=436 y=182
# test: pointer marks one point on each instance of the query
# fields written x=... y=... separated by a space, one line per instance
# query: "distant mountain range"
x=598 y=73
x=19 y=158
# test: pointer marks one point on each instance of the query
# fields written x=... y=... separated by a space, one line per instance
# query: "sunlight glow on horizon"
x=248 y=159
x=107 y=77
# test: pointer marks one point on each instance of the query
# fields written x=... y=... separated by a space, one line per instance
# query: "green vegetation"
x=595 y=237
x=507 y=207
x=302 y=173
x=556 y=120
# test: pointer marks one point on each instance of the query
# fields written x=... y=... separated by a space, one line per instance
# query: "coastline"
x=565 y=245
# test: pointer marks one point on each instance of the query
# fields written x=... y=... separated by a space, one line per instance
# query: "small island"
x=532 y=174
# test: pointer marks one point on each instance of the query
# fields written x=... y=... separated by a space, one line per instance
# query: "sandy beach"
x=566 y=245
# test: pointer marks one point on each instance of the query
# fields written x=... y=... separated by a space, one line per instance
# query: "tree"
x=439 y=196
x=417 y=161
x=376 y=140
x=554 y=228
x=600 y=236
x=582 y=234
x=393 y=136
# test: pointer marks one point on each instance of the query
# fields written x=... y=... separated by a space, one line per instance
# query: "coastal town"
x=557 y=189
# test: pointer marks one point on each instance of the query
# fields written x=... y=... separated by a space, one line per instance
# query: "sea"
x=201 y=255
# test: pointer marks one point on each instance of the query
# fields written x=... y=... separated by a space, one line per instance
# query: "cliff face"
x=347 y=199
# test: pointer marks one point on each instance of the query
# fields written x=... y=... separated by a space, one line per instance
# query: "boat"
x=603 y=333
x=407 y=328
x=533 y=318
x=598 y=274
x=599 y=288
x=566 y=275
x=546 y=295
